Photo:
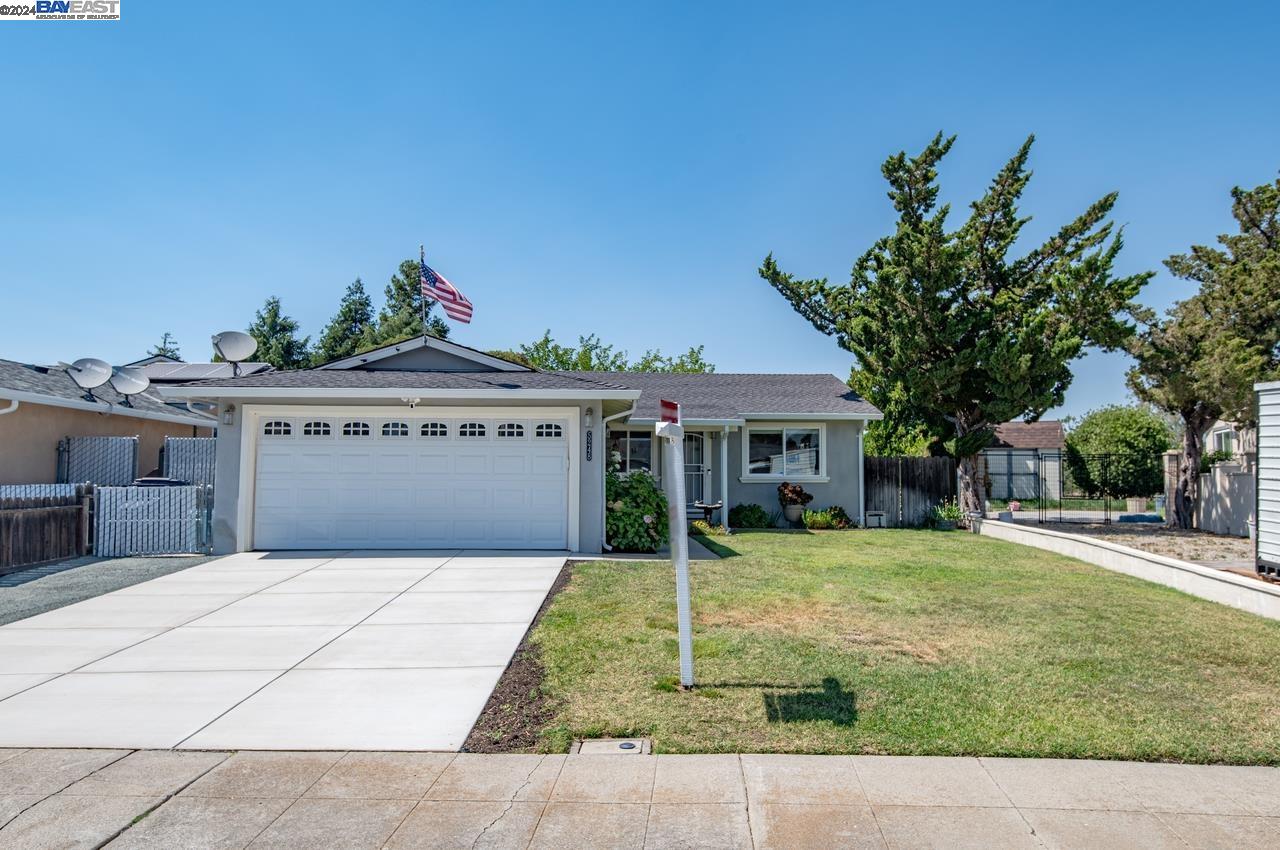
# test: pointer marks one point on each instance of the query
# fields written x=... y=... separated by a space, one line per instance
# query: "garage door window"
x=471 y=429
x=548 y=431
x=395 y=429
x=277 y=428
x=355 y=429
x=316 y=429
x=435 y=430
x=511 y=431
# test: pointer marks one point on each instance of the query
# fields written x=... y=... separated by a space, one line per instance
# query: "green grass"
x=910 y=642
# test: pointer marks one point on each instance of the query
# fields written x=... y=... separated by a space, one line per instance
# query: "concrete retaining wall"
x=1247 y=594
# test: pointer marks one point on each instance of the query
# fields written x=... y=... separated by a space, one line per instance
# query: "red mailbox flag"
x=670 y=411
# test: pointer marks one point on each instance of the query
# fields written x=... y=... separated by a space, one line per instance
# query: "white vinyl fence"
x=190 y=459
x=151 y=520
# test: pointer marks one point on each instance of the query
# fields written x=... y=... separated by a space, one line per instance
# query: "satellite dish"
x=128 y=381
x=89 y=372
x=234 y=346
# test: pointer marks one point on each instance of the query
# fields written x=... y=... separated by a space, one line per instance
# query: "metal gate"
x=151 y=520
x=189 y=459
x=108 y=461
x=1075 y=489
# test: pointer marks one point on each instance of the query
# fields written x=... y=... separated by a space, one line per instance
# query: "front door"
x=695 y=467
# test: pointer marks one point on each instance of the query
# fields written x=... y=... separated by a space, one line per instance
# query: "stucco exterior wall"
x=843 y=470
x=29 y=438
x=228 y=488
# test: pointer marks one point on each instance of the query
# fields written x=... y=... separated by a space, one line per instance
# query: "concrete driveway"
x=289 y=651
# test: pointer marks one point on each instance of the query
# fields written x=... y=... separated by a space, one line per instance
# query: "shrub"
x=635 y=518
x=832 y=517
x=749 y=516
x=705 y=529
x=1116 y=451
x=1208 y=459
x=948 y=510
x=792 y=494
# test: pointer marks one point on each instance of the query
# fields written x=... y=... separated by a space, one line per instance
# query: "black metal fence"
x=1075 y=489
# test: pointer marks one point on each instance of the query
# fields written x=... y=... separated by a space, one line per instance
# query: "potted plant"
x=793 y=498
x=946 y=515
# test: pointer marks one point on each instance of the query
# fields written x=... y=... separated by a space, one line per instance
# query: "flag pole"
x=422 y=296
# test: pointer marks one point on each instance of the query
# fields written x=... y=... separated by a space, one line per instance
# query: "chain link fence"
x=106 y=461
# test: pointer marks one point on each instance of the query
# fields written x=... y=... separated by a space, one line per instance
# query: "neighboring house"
x=40 y=405
x=430 y=444
x=1020 y=454
x=1239 y=441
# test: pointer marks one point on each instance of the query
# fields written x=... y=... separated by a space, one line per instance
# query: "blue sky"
x=609 y=168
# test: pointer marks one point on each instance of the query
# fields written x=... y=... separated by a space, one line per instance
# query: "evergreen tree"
x=166 y=347
x=343 y=336
x=591 y=354
x=956 y=334
x=401 y=316
x=277 y=336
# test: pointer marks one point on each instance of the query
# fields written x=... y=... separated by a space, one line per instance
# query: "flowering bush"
x=635 y=517
x=702 y=528
x=792 y=494
x=832 y=517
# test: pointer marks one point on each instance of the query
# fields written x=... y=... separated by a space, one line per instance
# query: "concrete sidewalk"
x=191 y=799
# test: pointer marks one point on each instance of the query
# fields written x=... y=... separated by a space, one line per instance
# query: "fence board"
x=906 y=489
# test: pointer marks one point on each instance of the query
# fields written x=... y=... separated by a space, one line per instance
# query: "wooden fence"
x=906 y=489
x=39 y=528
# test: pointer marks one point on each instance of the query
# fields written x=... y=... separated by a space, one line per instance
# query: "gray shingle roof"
x=1029 y=435
x=57 y=384
x=403 y=379
x=722 y=395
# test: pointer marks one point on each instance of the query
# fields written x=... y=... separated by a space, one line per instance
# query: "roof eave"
x=421 y=393
x=105 y=407
x=875 y=416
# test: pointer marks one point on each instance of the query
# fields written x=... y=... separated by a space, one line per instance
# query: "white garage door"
x=424 y=481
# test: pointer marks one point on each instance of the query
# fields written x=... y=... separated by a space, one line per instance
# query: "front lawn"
x=910 y=642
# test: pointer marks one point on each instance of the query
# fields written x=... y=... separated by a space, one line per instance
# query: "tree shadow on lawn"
x=800 y=704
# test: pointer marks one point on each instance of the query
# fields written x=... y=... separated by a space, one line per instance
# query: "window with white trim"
x=355 y=429
x=631 y=450
x=395 y=429
x=511 y=430
x=471 y=429
x=548 y=431
x=784 y=452
x=1224 y=441
x=316 y=429
x=276 y=428
x=434 y=429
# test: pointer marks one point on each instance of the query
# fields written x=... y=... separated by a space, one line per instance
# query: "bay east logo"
x=61 y=10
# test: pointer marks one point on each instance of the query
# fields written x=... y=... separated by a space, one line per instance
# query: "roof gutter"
x=13 y=405
x=397 y=393
x=103 y=407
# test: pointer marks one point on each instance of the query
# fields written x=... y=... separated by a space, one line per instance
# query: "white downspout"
x=604 y=470
x=724 y=479
x=13 y=405
x=862 y=480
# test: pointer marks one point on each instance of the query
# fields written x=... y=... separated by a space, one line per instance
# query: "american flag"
x=434 y=286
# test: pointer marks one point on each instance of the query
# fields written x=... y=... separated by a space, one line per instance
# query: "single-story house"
x=431 y=444
x=39 y=405
x=1019 y=456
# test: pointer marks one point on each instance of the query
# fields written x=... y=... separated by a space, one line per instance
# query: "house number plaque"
x=589 y=441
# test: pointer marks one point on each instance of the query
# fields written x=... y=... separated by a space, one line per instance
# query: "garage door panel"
x=391 y=490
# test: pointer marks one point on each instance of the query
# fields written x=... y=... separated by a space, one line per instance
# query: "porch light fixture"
x=588 y=418
x=229 y=415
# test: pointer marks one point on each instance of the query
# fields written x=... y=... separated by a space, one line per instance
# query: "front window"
x=632 y=449
x=1224 y=441
x=784 y=452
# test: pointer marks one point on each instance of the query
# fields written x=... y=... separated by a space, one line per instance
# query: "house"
x=40 y=405
x=1021 y=454
x=1267 y=478
x=431 y=444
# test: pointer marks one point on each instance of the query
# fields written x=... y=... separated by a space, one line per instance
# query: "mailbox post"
x=672 y=433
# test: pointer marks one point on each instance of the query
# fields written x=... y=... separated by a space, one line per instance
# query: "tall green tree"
x=1200 y=360
x=1118 y=451
x=166 y=347
x=946 y=321
x=591 y=354
x=346 y=331
x=277 y=336
x=401 y=316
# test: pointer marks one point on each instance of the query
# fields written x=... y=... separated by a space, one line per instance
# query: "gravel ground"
x=83 y=578
x=1198 y=546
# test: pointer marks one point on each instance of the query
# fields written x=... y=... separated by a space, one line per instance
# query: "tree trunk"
x=967 y=479
x=1187 y=489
